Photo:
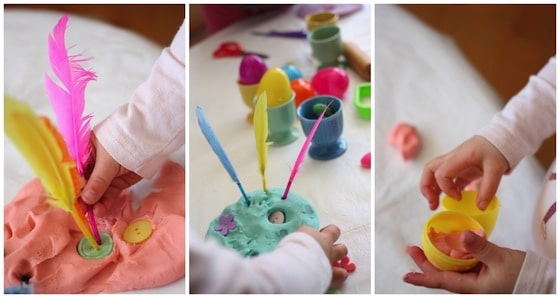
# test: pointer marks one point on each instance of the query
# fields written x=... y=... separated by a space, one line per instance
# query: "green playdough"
x=318 y=109
x=252 y=232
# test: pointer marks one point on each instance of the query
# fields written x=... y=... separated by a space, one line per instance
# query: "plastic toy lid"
x=138 y=231
x=86 y=251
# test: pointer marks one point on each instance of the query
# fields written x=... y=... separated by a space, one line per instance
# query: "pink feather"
x=68 y=100
x=303 y=150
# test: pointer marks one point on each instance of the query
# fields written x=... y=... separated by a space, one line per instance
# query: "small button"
x=86 y=251
x=138 y=231
x=277 y=217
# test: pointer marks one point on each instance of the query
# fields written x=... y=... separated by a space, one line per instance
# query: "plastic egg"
x=292 y=72
x=455 y=217
x=251 y=69
x=303 y=90
x=448 y=222
x=330 y=81
x=467 y=205
x=276 y=84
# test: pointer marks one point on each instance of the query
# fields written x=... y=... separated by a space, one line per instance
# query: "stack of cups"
x=324 y=37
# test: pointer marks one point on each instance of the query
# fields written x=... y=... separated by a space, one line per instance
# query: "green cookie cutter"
x=362 y=100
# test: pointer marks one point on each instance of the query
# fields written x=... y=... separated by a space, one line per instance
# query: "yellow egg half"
x=276 y=84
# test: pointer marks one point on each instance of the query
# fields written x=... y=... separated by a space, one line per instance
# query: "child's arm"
x=527 y=119
x=140 y=135
x=516 y=131
x=537 y=275
x=298 y=265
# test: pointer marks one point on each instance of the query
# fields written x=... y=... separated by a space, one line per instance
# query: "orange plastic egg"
x=302 y=89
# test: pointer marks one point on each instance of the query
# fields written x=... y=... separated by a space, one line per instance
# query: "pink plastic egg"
x=303 y=90
x=251 y=69
x=330 y=81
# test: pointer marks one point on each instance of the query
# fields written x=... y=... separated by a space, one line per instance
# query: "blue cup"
x=327 y=142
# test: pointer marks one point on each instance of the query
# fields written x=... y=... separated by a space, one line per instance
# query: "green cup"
x=326 y=45
x=281 y=119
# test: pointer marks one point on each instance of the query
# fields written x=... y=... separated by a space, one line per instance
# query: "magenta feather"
x=303 y=150
x=68 y=100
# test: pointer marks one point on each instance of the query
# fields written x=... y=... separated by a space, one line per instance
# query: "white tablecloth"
x=423 y=79
x=339 y=189
x=122 y=60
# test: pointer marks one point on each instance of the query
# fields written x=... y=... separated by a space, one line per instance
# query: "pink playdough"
x=450 y=243
x=406 y=139
x=40 y=241
x=365 y=161
x=474 y=185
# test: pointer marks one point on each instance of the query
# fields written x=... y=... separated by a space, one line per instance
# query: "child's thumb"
x=97 y=184
x=479 y=247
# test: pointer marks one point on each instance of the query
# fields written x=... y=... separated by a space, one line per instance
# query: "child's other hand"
x=107 y=178
x=450 y=173
x=496 y=273
x=327 y=237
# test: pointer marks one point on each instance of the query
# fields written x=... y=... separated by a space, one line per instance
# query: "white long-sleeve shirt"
x=517 y=131
x=142 y=133
x=297 y=265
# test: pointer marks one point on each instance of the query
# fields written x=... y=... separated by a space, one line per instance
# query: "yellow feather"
x=45 y=151
x=260 y=124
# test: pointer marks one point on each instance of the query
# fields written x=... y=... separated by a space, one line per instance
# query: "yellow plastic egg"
x=276 y=84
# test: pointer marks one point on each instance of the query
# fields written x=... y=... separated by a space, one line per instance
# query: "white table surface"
x=423 y=79
x=339 y=189
x=122 y=60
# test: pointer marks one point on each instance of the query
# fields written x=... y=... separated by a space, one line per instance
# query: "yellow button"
x=138 y=231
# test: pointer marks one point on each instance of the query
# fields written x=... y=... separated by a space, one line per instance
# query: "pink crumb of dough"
x=450 y=243
x=365 y=161
x=406 y=139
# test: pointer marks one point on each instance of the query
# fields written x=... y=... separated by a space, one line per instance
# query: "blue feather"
x=23 y=289
x=219 y=150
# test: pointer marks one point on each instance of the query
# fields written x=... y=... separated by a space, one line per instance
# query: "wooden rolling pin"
x=358 y=60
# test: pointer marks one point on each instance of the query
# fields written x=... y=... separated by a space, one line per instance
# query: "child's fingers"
x=428 y=184
x=99 y=181
x=418 y=256
x=332 y=232
x=488 y=187
x=339 y=251
x=339 y=276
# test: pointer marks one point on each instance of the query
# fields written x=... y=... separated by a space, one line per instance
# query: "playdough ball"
x=292 y=72
x=406 y=139
x=366 y=160
x=277 y=87
x=303 y=90
x=330 y=81
x=251 y=69
x=450 y=243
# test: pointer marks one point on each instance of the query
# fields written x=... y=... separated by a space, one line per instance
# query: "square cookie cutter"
x=362 y=99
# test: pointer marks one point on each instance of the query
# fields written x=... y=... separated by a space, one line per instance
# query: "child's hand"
x=327 y=237
x=497 y=272
x=450 y=173
x=107 y=178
